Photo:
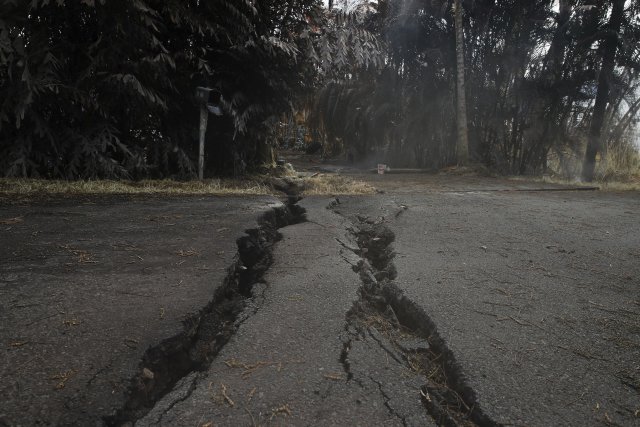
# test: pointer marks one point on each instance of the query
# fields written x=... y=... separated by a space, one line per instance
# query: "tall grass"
x=620 y=163
x=618 y=168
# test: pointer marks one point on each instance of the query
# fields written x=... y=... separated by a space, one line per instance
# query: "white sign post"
x=202 y=94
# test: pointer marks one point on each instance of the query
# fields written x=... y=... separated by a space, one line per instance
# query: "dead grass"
x=29 y=187
x=621 y=164
x=617 y=170
x=318 y=185
x=322 y=185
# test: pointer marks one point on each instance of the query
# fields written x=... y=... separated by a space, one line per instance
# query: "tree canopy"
x=107 y=88
x=98 y=88
x=534 y=69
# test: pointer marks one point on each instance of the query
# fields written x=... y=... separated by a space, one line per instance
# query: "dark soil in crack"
x=206 y=333
x=406 y=332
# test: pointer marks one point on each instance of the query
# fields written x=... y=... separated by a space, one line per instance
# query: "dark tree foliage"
x=533 y=72
x=98 y=88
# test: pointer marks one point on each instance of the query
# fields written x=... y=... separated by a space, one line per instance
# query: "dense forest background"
x=106 y=88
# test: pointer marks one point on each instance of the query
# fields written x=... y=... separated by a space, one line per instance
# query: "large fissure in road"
x=381 y=316
x=206 y=332
x=405 y=332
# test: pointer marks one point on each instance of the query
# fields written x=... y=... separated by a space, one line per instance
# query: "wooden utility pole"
x=462 y=142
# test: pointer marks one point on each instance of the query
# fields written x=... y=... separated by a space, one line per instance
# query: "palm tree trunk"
x=462 y=143
x=609 y=48
x=549 y=120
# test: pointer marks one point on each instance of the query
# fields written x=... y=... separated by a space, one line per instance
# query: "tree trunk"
x=462 y=143
x=552 y=75
x=609 y=48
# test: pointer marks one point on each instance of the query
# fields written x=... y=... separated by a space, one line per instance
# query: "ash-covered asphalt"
x=441 y=301
x=536 y=293
x=88 y=285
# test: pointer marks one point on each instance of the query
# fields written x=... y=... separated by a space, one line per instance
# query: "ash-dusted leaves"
x=98 y=88
x=543 y=78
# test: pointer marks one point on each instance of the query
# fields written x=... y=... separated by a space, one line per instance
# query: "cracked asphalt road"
x=284 y=364
x=536 y=293
x=87 y=285
x=522 y=305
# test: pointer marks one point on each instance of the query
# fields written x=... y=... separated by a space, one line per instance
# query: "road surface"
x=439 y=301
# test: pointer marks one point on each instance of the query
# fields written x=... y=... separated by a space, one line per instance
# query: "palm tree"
x=462 y=144
x=610 y=46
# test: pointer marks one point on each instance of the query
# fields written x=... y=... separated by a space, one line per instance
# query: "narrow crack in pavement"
x=206 y=332
x=344 y=359
x=405 y=332
x=387 y=400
